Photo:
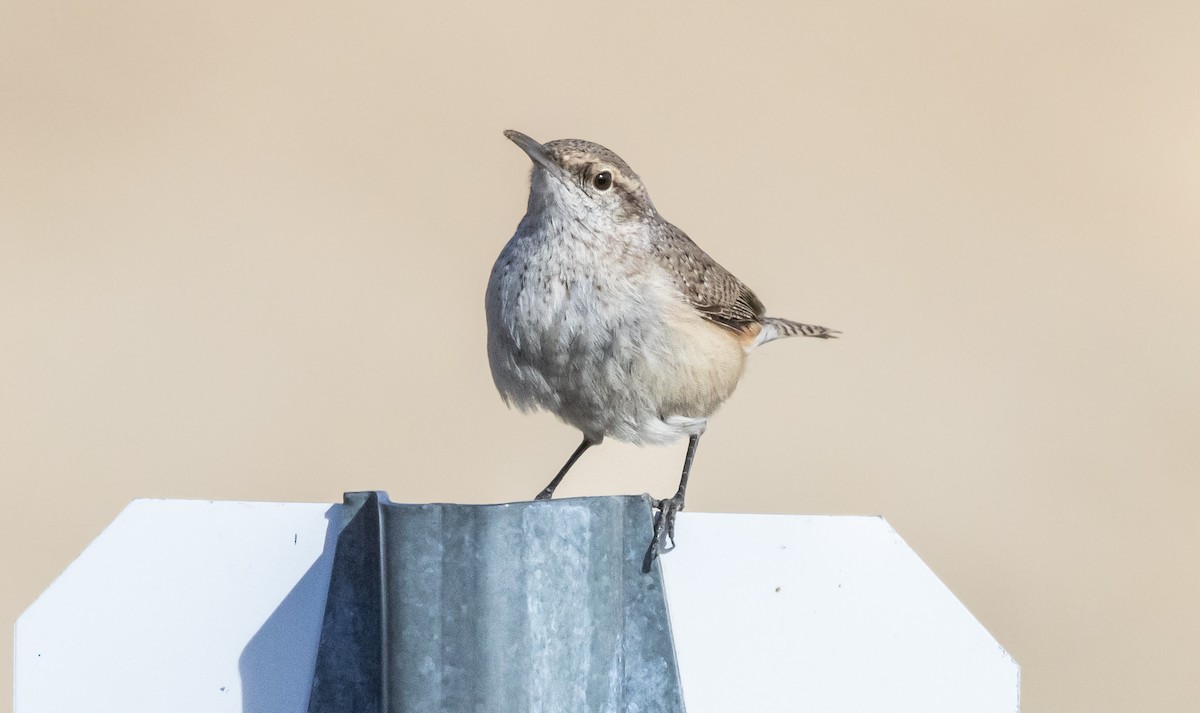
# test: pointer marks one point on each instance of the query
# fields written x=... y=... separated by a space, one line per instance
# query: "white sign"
x=209 y=607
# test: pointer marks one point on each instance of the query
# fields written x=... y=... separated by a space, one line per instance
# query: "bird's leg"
x=548 y=491
x=664 y=523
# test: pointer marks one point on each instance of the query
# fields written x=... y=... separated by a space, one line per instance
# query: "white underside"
x=612 y=350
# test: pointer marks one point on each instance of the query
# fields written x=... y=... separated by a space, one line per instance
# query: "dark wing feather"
x=715 y=293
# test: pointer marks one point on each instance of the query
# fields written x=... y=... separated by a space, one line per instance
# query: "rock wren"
x=605 y=314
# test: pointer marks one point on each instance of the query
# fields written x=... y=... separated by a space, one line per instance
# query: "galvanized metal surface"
x=532 y=606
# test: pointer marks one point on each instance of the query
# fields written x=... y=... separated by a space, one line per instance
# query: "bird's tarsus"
x=548 y=491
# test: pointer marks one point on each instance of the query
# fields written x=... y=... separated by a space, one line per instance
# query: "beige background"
x=243 y=248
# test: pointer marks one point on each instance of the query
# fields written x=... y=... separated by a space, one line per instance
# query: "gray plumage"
x=605 y=314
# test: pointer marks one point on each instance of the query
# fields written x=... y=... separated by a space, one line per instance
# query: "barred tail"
x=776 y=328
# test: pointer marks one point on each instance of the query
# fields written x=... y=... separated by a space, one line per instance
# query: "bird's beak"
x=538 y=153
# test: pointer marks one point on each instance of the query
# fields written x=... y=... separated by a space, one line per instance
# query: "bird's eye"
x=602 y=181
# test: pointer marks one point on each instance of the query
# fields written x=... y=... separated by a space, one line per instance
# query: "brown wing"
x=715 y=293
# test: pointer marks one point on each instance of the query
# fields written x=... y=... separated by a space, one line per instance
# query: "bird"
x=602 y=312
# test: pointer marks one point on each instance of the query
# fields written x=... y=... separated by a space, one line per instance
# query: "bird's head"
x=591 y=183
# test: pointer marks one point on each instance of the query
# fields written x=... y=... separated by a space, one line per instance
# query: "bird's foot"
x=664 y=527
x=544 y=495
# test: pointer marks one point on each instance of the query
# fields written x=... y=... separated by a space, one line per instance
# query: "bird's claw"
x=664 y=527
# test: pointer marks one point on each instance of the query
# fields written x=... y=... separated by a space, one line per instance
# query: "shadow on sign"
x=277 y=665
